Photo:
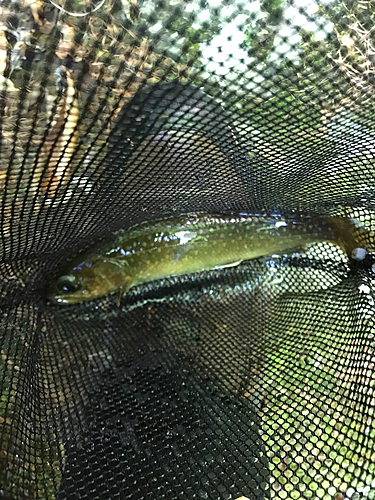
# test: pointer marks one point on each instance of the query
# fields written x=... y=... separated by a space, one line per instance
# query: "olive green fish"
x=189 y=244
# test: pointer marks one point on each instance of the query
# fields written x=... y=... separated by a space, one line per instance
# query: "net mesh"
x=248 y=382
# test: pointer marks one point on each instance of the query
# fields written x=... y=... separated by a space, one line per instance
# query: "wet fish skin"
x=188 y=244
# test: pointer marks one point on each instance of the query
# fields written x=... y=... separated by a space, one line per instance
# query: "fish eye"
x=67 y=283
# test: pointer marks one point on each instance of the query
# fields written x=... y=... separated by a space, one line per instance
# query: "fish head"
x=81 y=283
x=66 y=289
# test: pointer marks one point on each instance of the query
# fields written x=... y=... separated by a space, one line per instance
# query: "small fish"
x=189 y=244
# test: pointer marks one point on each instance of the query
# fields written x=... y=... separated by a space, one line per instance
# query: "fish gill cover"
x=247 y=382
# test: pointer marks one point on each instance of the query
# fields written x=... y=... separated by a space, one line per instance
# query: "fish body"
x=189 y=244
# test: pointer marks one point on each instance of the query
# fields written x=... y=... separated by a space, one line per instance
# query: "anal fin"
x=231 y=264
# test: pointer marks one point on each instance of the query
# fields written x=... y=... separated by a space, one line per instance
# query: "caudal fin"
x=350 y=235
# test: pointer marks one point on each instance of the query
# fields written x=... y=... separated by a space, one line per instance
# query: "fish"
x=193 y=243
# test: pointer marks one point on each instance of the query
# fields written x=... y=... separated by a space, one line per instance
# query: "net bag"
x=245 y=382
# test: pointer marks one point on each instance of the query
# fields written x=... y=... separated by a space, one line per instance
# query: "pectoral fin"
x=119 y=295
x=121 y=290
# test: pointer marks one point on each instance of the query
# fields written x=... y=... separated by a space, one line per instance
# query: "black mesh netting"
x=249 y=382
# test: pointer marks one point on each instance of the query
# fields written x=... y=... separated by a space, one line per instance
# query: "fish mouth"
x=58 y=299
x=54 y=296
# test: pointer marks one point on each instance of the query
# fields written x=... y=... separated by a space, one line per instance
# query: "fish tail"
x=349 y=235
